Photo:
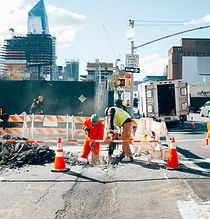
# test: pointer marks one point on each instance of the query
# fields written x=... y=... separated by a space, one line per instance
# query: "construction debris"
x=16 y=154
x=74 y=159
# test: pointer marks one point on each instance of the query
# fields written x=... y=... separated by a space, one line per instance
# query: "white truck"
x=198 y=95
x=165 y=100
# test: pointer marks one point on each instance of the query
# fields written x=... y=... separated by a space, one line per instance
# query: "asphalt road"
x=123 y=190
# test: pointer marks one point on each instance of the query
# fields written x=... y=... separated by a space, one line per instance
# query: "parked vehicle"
x=198 y=95
x=205 y=109
x=165 y=100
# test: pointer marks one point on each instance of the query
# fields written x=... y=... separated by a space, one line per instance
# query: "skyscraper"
x=71 y=70
x=37 y=19
x=32 y=56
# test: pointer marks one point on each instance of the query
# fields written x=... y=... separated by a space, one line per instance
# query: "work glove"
x=86 y=129
x=91 y=144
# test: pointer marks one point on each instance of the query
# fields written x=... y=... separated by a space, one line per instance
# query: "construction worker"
x=122 y=119
x=94 y=129
x=37 y=106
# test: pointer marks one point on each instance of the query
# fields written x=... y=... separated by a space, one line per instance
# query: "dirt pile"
x=19 y=153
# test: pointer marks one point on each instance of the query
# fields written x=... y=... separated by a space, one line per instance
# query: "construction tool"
x=112 y=145
x=95 y=159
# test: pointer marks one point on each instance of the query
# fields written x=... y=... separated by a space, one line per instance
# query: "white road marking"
x=191 y=209
x=197 y=160
x=191 y=165
x=165 y=176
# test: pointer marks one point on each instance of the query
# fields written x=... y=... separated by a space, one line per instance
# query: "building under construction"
x=98 y=71
x=30 y=57
x=71 y=70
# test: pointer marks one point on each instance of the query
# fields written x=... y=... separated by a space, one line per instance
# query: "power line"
x=109 y=40
x=152 y=21
x=171 y=35
x=156 y=25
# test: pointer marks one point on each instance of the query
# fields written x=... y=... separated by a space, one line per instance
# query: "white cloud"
x=63 y=24
x=205 y=19
x=152 y=65
x=13 y=15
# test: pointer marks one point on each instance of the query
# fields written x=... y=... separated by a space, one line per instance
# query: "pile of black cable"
x=16 y=154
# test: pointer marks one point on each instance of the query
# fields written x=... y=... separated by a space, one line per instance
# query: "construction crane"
x=12 y=30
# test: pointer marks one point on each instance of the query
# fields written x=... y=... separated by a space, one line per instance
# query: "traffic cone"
x=192 y=125
x=59 y=165
x=172 y=157
x=208 y=134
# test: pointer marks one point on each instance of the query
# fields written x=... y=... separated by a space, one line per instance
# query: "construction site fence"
x=91 y=140
x=41 y=126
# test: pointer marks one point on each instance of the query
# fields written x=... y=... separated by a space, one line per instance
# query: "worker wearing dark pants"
x=112 y=145
x=121 y=119
x=37 y=106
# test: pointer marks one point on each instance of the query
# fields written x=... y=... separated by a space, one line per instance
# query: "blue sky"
x=90 y=29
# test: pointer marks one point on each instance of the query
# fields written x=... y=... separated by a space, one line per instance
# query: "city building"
x=37 y=19
x=31 y=57
x=190 y=61
x=98 y=71
x=60 y=72
x=154 y=78
x=71 y=70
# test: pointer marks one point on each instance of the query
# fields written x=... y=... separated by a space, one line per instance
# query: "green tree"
x=114 y=78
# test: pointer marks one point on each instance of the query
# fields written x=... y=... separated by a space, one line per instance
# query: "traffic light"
x=123 y=82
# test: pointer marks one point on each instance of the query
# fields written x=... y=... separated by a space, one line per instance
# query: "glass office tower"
x=37 y=19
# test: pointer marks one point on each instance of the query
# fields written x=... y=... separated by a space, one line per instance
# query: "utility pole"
x=131 y=23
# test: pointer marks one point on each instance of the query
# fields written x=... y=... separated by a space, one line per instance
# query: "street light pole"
x=131 y=23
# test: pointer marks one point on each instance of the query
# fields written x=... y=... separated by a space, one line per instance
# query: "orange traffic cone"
x=192 y=125
x=172 y=157
x=208 y=134
x=59 y=165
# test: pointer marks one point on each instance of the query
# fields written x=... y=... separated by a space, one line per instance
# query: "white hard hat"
x=94 y=119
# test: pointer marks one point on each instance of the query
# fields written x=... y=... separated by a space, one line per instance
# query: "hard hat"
x=94 y=119
x=106 y=111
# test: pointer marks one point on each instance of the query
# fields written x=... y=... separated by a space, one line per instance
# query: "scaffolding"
x=31 y=56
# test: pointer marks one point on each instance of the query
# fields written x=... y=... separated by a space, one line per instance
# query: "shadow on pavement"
x=193 y=156
x=200 y=128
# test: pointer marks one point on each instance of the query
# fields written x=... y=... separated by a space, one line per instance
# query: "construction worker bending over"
x=37 y=106
x=94 y=129
x=120 y=118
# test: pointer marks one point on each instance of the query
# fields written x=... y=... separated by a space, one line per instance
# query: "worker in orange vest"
x=94 y=129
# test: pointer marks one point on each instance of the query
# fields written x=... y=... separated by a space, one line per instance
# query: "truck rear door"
x=182 y=101
x=150 y=93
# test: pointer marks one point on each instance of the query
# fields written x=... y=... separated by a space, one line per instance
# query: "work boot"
x=111 y=159
x=127 y=159
x=82 y=160
x=121 y=156
x=94 y=161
